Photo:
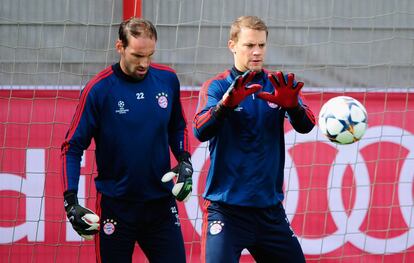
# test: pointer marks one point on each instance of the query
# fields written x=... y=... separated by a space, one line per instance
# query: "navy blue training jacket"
x=134 y=124
x=247 y=146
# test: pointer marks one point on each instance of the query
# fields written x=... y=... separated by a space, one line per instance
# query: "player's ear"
x=231 y=45
x=119 y=46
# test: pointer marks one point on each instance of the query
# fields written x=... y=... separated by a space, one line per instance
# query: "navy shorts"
x=154 y=225
x=264 y=232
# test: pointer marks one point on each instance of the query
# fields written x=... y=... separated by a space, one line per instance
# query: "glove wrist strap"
x=70 y=199
x=221 y=111
x=184 y=156
x=294 y=110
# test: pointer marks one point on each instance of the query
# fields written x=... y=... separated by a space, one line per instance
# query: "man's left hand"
x=286 y=93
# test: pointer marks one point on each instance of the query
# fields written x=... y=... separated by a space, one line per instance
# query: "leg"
x=161 y=238
x=224 y=235
x=276 y=239
x=115 y=241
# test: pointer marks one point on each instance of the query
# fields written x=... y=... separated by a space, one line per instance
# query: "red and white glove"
x=286 y=93
x=238 y=90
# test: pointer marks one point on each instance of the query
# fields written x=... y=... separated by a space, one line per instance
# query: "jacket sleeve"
x=210 y=114
x=301 y=117
x=177 y=127
x=78 y=139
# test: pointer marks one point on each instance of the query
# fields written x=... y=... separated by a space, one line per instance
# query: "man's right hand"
x=84 y=221
x=183 y=171
x=238 y=90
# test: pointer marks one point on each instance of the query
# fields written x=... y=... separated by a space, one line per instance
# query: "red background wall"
x=32 y=119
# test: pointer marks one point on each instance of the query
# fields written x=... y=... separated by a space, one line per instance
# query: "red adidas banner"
x=347 y=203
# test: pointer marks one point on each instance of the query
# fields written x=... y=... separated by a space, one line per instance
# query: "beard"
x=137 y=73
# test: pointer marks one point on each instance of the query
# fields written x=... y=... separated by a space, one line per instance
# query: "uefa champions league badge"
x=162 y=100
x=109 y=226
x=216 y=227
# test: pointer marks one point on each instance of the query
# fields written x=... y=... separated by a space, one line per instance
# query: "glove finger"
x=267 y=97
x=253 y=88
x=87 y=237
x=273 y=80
x=184 y=193
x=93 y=227
x=247 y=77
x=177 y=188
x=234 y=85
x=168 y=176
x=290 y=79
x=92 y=220
x=299 y=86
x=181 y=191
x=281 y=78
x=82 y=231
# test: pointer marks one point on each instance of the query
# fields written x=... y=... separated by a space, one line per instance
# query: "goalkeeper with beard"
x=133 y=112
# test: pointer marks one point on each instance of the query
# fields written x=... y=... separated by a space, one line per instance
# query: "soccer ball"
x=343 y=120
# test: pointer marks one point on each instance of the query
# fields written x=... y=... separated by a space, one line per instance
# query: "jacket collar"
x=235 y=72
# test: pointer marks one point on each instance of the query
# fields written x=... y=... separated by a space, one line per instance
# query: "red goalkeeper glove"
x=84 y=221
x=238 y=90
x=184 y=172
x=286 y=93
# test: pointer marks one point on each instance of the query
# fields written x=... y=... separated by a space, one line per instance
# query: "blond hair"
x=252 y=22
